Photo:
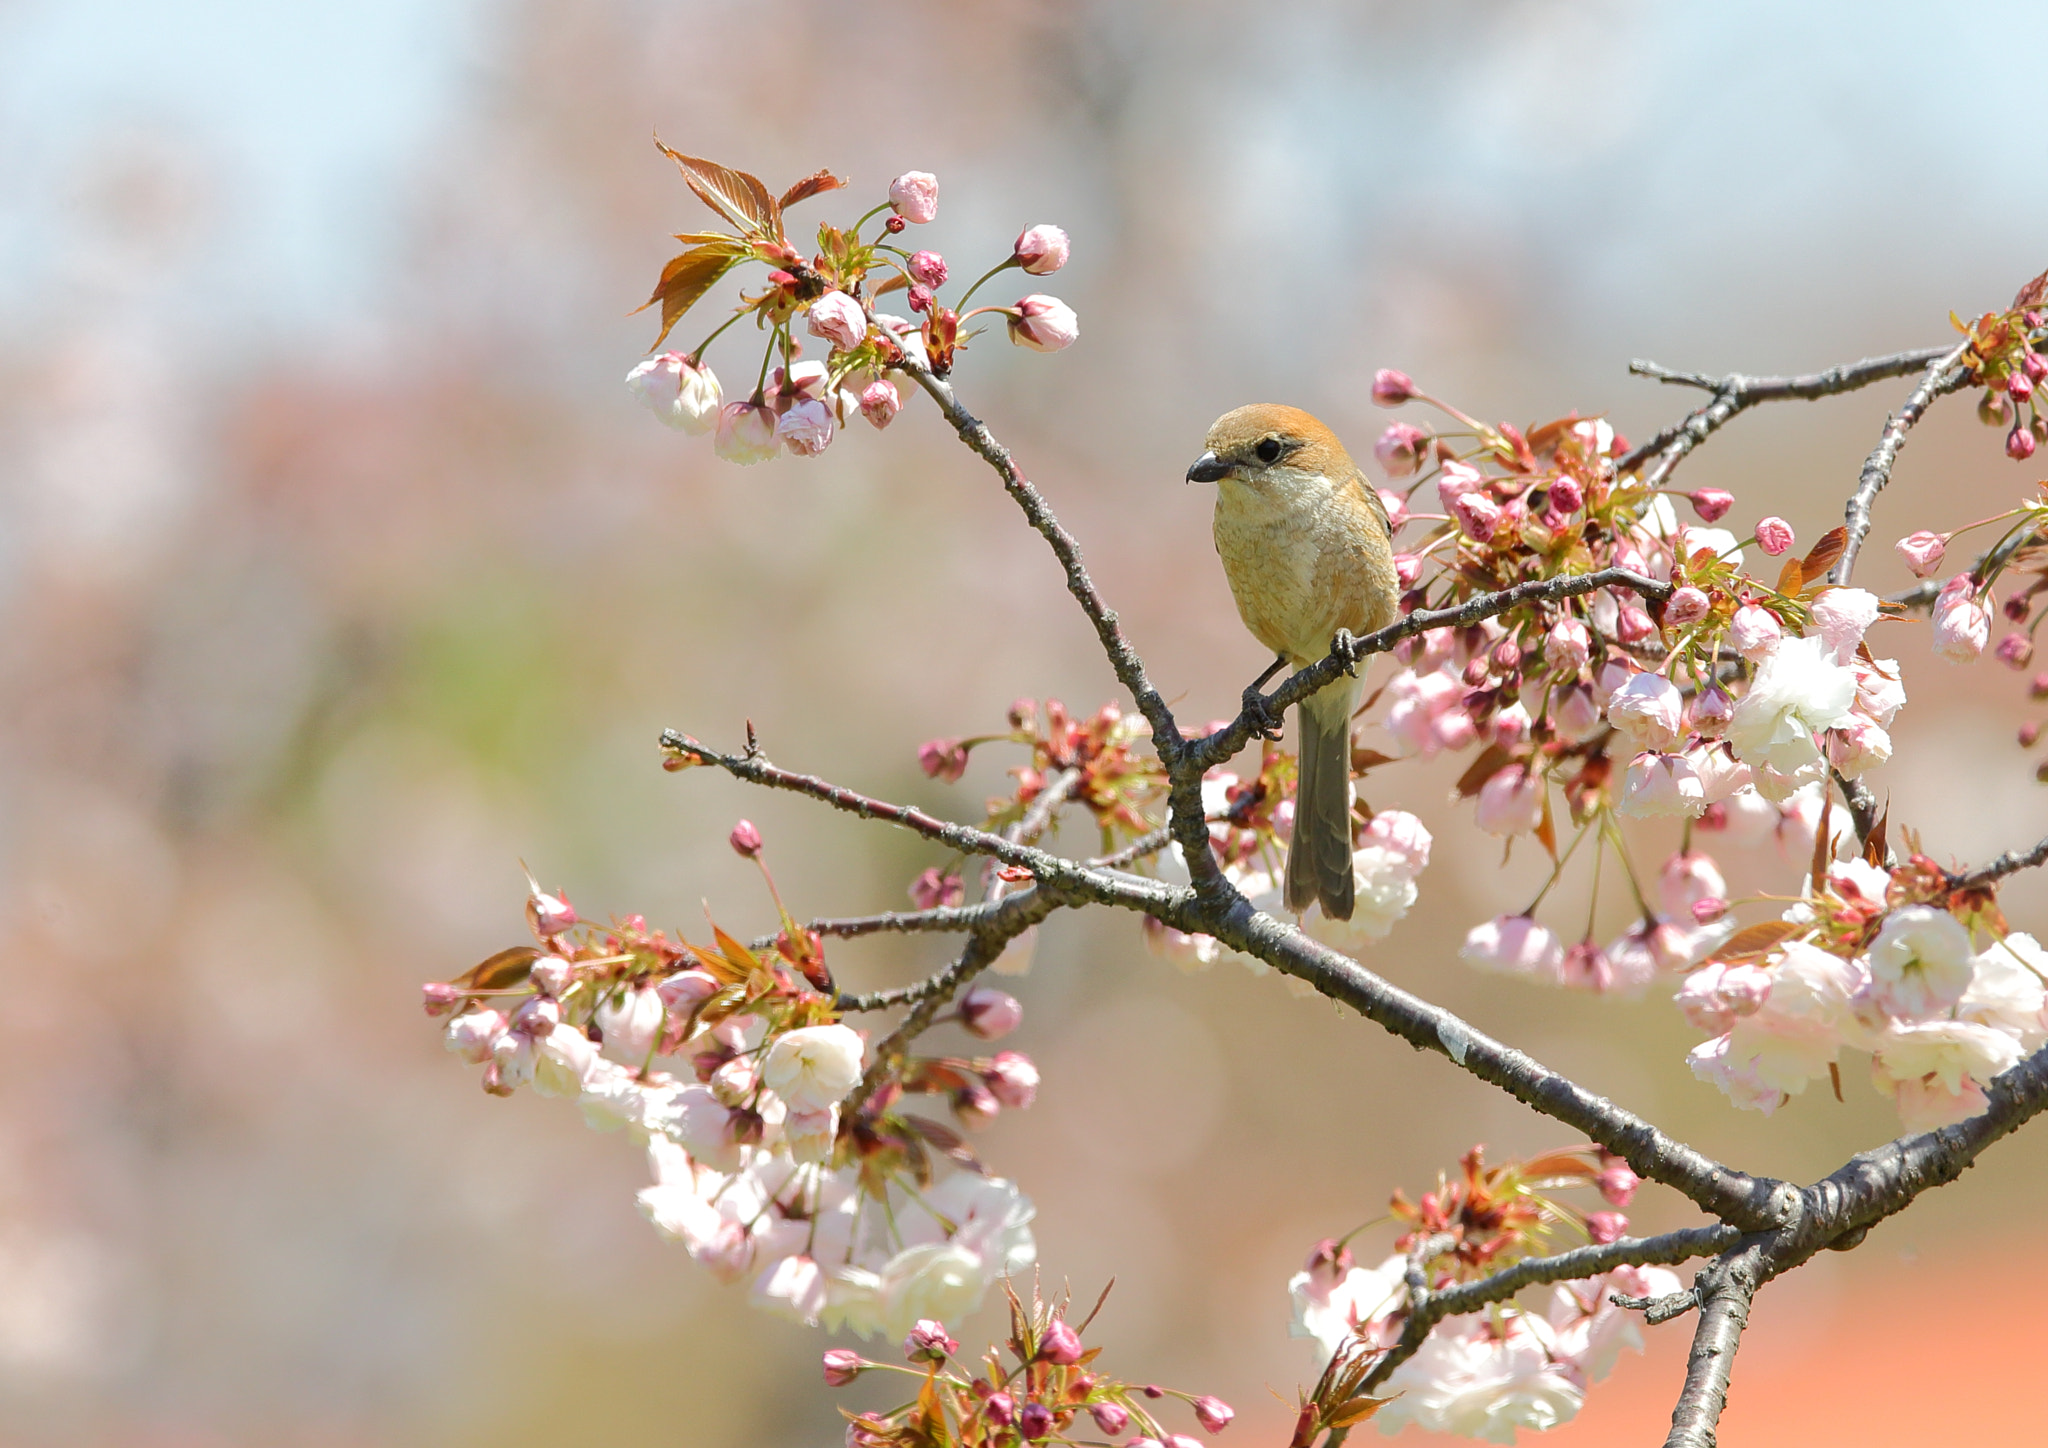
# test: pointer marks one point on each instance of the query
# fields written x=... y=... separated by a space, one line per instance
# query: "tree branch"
x=2009 y=863
x=1725 y=1290
x=1943 y=376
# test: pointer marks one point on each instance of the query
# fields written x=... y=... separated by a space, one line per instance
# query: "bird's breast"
x=1304 y=558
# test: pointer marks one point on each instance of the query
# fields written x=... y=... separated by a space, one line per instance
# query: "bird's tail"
x=1319 y=859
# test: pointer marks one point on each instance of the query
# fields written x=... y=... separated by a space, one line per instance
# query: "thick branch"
x=1725 y=1291
x=1943 y=376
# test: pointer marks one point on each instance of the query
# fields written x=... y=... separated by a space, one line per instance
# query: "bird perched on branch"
x=1305 y=544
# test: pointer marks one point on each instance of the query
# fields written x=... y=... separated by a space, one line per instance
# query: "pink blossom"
x=932 y=890
x=1648 y=711
x=1686 y=606
x=944 y=759
x=631 y=1023
x=1753 y=630
x=1605 y=1227
x=1514 y=945
x=1687 y=877
x=1401 y=449
x=1566 y=496
x=1391 y=388
x=681 y=392
x=1962 y=625
x=1567 y=645
x=1922 y=551
x=1841 y=616
x=549 y=915
x=1574 y=714
x=1617 y=1181
x=1510 y=802
x=1712 y=504
x=2015 y=650
x=746 y=433
x=1715 y=996
x=990 y=1014
x=471 y=1034
x=1396 y=507
x=1857 y=746
x=1214 y=1413
x=839 y=319
x=684 y=991
x=1633 y=624
x=1040 y=249
x=1774 y=535
x=1013 y=1079
x=927 y=268
x=1458 y=479
x=928 y=1342
x=1109 y=1417
x=745 y=839
x=1060 y=1343
x=1586 y=967
x=1660 y=786
x=793 y=1286
x=915 y=196
x=1044 y=324
x=842 y=1366
x=1402 y=834
x=1477 y=514
x=806 y=428
x=1510 y=726
x=1407 y=568
x=879 y=402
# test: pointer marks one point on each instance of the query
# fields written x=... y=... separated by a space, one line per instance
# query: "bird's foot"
x=1345 y=647
x=1265 y=720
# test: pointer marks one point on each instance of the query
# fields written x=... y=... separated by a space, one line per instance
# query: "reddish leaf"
x=742 y=959
x=1754 y=940
x=501 y=971
x=2032 y=295
x=1483 y=768
x=1791 y=578
x=1835 y=1076
x=815 y=184
x=1823 y=843
x=738 y=197
x=687 y=278
x=895 y=282
x=1875 y=848
x=1546 y=832
x=1824 y=553
x=1364 y=759
x=1357 y=1410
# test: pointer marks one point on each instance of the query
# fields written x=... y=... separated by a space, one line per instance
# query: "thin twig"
x=2008 y=863
x=1943 y=376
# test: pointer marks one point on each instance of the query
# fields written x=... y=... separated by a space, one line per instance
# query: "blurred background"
x=340 y=572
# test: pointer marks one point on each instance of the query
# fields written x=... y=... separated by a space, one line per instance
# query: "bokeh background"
x=338 y=572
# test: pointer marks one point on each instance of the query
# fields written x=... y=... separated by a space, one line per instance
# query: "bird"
x=1307 y=551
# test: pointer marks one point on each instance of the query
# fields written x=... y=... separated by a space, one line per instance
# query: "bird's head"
x=1269 y=440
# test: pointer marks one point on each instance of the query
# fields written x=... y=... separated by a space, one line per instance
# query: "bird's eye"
x=1269 y=450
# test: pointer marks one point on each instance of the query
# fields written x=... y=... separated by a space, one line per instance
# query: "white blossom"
x=813 y=1067
x=1798 y=689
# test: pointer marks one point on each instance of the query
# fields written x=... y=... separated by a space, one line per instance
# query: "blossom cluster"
x=773 y=1155
x=1516 y=1365
x=800 y=405
x=1050 y=1389
x=1104 y=757
x=1924 y=978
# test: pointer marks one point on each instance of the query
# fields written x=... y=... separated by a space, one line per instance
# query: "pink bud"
x=1180 y=1440
x=928 y=1343
x=1407 y=568
x=1605 y=1227
x=1774 y=535
x=1962 y=625
x=1000 y=1409
x=1035 y=1422
x=842 y=1366
x=919 y=296
x=439 y=997
x=1617 y=1182
x=550 y=914
x=1566 y=646
x=1214 y=1413
x=551 y=975
x=1060 y=1344
x=932 y=890
x=990 y=1014
x=1391 y=388
x=1109 y=1417
x=1044 y=324
x=839 y=319
x=745 y=839
x=1401 y=448
x=927 y=267
x=537 y=1017
x=1686 y=606
x=1712 y=504
x=1712 y=708
x=975 y=1105
x=684 y=991
x=1328 y=1263
x=1707 y=910
x=746 y=433
x=1753 y=631
x=915 y=195
x=1013 y=1079
x=2019 y=444
x=1632 y=624
x=2035 y=366
x=879 y=402
x=1510 y=802
x=1396 y=506
x=1566 y=496
x=2020 y=385
x=942 y=758
x=2015 y=650
x=1478 y=515
x=894 y=225
x=1040 y=249
x=1455 y=479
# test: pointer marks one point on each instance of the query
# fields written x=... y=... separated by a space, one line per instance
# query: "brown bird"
x=1305 y=544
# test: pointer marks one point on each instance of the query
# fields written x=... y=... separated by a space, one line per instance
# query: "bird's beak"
x=1207 y=469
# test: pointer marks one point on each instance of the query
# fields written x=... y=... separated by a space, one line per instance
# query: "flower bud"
x=1109 y=1417
x=1566 y=646
x=1510 y=802
x=1035 y=1422
x=919 y=297
x=550 y=915
x=894 y=225
x=1575 y=714
x=990 y=1014
x=1962 y=625
x=942 y=759
x=1013 y=1079
x=842 y=1366
x=2035 y=366
x=2018 y=607
x=1000 y=1409
x=1712 y=504
x=733 y=1082
x=976 y=1106
x=1605 y=1227
x=1401 y=448
x=1396 y=507
x=439 y=997
x=879 y=402
x=1633 y=624
x=932 y=890
x=1040 y=249
x=471 y=1034
x=2020 y=385
x=1044 y=324
x=1391 y=388
x=1477 y=515
x=2015 y=650
x=839 y=319
x=537 y=1017
x=1566 y=496
x=1708 y=909
x=1753 y=631
x=928 y=1343
x=2019 y=444
x=745 y=840
x=1215 y=1414
x=682 y=393
x=1407 y=568
x=915 y=196
x=1774 y=535
x=927 y=267
x=1060 y=1343
x=1712 y=708
x=1686 y=606
x=1617 y=1181
x=1180 y=1440
x=746 y=433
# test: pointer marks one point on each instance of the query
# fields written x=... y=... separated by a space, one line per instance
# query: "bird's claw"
x=1345 y=647
x=1266 y=724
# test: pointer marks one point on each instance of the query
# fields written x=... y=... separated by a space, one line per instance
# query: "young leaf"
x=1791 y=578
x=738 y=197
x=1355 y=1411
x=1755 y=940
x=2032 y=294
x=1824 y=553
x=501 y=971
x=815 y=184
x=687 y=278
x=1483 y=768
